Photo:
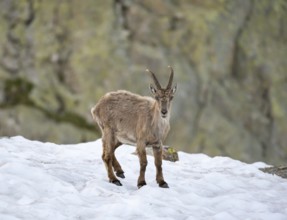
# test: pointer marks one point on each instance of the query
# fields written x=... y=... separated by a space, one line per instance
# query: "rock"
x=168 y=153
x=26 y=121
x=279 y=171
x=59 y=57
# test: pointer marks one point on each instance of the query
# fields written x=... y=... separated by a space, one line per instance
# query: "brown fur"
x=127 y=118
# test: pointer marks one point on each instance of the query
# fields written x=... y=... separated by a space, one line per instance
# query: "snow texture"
x=49 y=181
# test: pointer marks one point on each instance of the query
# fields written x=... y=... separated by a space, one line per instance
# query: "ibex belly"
x=126 y=139
x=152 y=136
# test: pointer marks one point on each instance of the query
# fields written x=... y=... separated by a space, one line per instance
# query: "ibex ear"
x=174 y=89
x=152 y=89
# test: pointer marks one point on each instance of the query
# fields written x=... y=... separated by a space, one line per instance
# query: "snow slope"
x=49 y=181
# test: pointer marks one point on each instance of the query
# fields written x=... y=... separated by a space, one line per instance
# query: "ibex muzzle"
x=127 y=118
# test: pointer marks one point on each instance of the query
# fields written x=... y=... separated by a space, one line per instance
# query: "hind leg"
x=108 y=154
x=116 y=165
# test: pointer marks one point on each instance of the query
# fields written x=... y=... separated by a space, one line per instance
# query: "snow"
x=49 y=181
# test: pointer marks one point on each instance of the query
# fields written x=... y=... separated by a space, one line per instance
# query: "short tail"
x=93 y=112
x=96 y=117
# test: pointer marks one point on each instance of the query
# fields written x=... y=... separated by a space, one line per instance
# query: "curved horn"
x=154 y=79
x=170 y=78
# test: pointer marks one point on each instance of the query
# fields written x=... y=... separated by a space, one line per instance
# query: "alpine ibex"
x=127 y=118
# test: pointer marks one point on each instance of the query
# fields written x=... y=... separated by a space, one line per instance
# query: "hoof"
x=141 y=184
x=116 y=182
x=164 y=185
x=121 y=175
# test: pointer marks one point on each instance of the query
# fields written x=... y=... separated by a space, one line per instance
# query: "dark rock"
x=279 y=171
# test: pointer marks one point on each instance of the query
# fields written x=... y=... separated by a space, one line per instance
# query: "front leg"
x=143 y=163
x=157 y=152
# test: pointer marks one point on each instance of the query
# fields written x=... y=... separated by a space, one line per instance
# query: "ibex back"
x=127 y=118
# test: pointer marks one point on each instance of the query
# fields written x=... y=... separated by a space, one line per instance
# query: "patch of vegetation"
x=17 y=91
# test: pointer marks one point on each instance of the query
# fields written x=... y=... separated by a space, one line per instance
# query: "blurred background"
x=58 y=57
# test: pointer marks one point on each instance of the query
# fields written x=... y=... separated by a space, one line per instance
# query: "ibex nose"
x=163 y=111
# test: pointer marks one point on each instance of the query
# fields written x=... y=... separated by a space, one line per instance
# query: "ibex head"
x=163 y=96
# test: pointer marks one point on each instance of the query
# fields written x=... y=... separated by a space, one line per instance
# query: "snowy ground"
x=49 y=181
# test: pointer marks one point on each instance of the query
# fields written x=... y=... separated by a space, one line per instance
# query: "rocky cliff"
x=59 y=57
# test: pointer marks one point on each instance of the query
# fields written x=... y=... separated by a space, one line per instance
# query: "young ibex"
x=127 y=118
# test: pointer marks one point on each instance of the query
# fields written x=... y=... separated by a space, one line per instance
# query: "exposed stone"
x=168 y=153
x=59 y=57
x=279 y=171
